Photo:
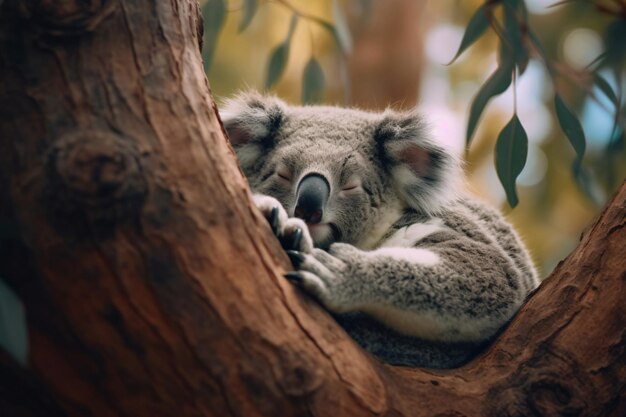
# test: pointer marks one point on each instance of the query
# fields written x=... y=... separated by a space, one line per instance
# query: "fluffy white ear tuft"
x=251 y=121
x=425 y=173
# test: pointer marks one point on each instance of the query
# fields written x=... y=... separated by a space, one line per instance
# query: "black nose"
x=312 y=194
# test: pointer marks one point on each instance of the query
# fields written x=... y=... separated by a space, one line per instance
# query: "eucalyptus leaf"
x=313 y=82
x=13 y=330
x=614 y=45
x=249 y=10
x=278 y=61
x=214 y=15
x=510 y=157
x=341 y=29
x=572 y=129
x=605 y=87
x=497 y=83
x=514 y=39
x=280 y=56
x=475 y=28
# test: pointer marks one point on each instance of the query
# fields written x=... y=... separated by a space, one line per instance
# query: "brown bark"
x=154 y=288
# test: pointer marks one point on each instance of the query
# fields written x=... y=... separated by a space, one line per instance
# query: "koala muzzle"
x=311 y=197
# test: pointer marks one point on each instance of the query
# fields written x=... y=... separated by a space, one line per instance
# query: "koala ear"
x=251 y=121
x=425 y=174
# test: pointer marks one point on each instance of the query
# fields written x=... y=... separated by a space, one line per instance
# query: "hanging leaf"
x=214 y=15
x=514 y=41
x=475 y=28
x=604 y=85
x=280 y=56
x=278 y=60
x=617 y=143
x=614 y=45
x=249 y=9
x=312 y=83
x=589 y=185
x=13 y=330
x=497 y=83
x=572 y=129
x=341 y=29
x=510 y=155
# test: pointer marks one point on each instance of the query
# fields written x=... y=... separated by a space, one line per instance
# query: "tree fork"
x=154 y=288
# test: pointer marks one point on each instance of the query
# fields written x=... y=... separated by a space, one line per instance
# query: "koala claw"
x=297 y=238
x=323 y=276
x=292 y=232
x=296 y=258
x=274 y=220
x=294 y=277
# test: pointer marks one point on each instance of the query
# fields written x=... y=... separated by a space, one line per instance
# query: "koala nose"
x=311 y=196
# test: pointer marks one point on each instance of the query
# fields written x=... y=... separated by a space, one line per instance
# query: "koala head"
x=343 y=171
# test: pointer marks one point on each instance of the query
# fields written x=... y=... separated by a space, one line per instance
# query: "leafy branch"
x=517 y=44
x=313 y=80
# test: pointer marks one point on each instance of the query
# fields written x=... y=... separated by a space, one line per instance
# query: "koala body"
x=416 y=272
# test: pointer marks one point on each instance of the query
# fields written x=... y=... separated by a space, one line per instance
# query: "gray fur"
x=416 y=272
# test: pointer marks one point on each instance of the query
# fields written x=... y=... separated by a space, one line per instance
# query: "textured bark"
x=154 y=288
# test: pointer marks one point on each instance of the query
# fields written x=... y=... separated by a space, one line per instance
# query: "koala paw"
x=292 y=233
x=325 y=277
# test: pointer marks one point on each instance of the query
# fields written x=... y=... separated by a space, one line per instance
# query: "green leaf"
x=214 y=15
x=13 y=330
x=614 y=45
x=278 y=61
x=340 y=29
x=249 y=9
x=497 y=83
x=514 y=41
x=312 y=82
x=604 y=85
x=572 y=129
x=280 y=56
x=511 y=152
x=475 y=28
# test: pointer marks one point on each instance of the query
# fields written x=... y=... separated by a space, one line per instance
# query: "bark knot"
x=67 y=17
x=547 y=384
x=96 y=176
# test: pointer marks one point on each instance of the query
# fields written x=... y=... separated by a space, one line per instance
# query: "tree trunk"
x=153 y=287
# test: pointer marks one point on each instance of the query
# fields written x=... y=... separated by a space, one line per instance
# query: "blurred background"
x=394 y=53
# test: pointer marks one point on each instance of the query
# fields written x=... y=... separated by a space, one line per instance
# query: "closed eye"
x=352 y=185
x=283 y=175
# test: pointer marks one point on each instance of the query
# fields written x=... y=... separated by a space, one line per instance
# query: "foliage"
x=13 y=333
x=517 y=45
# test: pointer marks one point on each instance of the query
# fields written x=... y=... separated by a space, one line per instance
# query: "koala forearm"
x=429 y=294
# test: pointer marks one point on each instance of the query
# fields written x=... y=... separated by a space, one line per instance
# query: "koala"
x=370 y=210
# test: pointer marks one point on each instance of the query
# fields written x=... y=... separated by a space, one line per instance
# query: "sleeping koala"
x=368 y=206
